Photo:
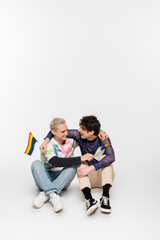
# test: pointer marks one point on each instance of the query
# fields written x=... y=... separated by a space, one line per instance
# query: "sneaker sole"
x=92 y=209
x=34 y=205
x=58 y=210
x=105 y=210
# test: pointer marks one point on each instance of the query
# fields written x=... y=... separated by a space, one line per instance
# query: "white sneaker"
x=40 y=200
x=56 y=201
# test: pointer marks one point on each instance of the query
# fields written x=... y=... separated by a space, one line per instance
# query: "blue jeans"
x=50 y=181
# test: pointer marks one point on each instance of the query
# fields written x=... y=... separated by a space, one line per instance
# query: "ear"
x=53 y=132
x=92 y=133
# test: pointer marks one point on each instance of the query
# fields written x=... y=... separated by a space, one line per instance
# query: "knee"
x=108 y=168
x=71 y=170
x=36 y=165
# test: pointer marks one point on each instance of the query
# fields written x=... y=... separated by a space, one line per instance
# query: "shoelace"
x=88 y=202
x=41 y=197
x=55 y=199
x=105 y=200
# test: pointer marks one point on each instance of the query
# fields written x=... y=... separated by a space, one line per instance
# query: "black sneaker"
x=91 y=205
x=105 y=205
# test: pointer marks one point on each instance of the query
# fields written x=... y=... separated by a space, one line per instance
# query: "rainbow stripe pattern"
x=31 y=144
x=105 y=146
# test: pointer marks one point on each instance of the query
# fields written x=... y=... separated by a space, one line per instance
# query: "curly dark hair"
x=90 y=123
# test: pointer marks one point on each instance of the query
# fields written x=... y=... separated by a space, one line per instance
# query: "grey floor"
x=134 y=199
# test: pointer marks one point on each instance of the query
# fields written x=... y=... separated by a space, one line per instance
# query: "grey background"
x=69 y=59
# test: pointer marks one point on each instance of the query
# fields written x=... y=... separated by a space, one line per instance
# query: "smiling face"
x=61 y=132
x=85 y=134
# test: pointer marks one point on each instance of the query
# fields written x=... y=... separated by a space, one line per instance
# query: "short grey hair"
x=55 y=122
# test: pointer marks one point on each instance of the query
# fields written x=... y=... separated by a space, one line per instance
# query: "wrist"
x=91 y=167
x=46 y=140
x=82 y=159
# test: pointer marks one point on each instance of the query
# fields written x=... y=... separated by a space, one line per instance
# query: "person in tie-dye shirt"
x=57 y=167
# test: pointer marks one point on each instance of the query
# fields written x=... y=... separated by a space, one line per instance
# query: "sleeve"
x=108 y=159
x=64 y=162
x=49 y=135
x=72 y=133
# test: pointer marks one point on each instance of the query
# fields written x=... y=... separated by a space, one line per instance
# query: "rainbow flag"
x=31 y=143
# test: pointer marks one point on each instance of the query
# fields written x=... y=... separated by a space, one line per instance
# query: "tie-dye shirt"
x=55 y=149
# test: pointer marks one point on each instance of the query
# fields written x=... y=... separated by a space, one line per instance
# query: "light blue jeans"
x=50 y=181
